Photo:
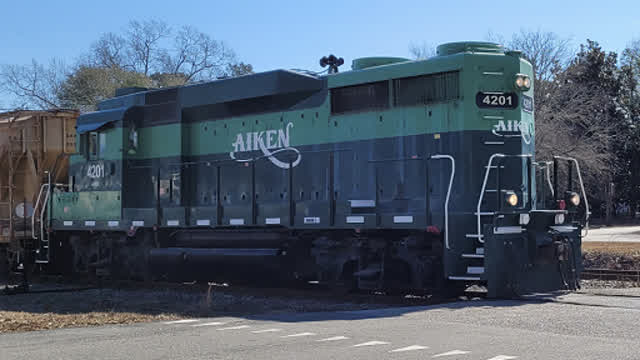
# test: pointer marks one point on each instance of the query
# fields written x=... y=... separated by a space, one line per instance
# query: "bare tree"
x=422 y=51
x=196 y=55
x=495 y=37
x=34 y=85
x=549 y=56
x=144 y=41
x=146 y=55
x=575 y=115
x=581 y=116
x=238 y=69
x=547 y=52
x=631 y=54
x=573 y=122
x=111 y=51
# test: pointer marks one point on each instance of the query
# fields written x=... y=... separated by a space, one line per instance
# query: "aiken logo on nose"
x=512 y=126
x=525 y=129
x=270 y=142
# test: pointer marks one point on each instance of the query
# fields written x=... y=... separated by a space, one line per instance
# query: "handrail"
x=42 y=212
x=484 y=187
x=544 y=167
x=548 y=177
x=584 y=193
x=482 y=191
x=35 y=209
x=446 y=201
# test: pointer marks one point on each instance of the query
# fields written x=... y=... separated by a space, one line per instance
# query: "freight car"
x=34 y=145
x=395 y=175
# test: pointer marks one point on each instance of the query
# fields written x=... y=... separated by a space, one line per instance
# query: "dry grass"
x=42 y=311
x=11 y=321
x=611 y=255
x=613 y=248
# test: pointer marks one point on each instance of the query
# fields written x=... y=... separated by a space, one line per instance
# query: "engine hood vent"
x=469 y=46
x=367 y=62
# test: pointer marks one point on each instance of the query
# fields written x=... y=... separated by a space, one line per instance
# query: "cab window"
x=93 y=145
x=102 y=145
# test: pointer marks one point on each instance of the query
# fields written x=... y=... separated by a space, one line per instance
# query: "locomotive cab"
x=93 y=199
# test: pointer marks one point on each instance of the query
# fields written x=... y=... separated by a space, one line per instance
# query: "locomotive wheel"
x=346 y=283
x=453 y=289
x=341 y=288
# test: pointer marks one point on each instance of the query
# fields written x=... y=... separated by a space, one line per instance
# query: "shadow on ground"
x=273 y=304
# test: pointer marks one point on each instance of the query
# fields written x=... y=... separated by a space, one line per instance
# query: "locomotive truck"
x=395 y=175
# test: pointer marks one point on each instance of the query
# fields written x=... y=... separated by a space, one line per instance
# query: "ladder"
x=39 y=234
x=475 y=260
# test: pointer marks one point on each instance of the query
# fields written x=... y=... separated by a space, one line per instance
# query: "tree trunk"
x=609 y=191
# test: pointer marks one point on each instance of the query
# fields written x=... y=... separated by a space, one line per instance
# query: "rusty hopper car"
x=34 y=149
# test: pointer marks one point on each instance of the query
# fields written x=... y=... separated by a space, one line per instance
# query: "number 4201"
x=497 y=100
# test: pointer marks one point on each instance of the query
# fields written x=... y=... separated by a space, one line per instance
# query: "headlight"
x=519 y=82
x=574 y=199
x=522 y=82
x=559 y=219
x=511 y=198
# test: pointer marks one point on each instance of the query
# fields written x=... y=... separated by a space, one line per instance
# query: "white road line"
x=299 y=335
x=185 y=321
x=451 y=353
x=410 y=348
x=371 y=343
x=503 y=357
x=214 y=323
x=235 y=327
x=335 y=338
x=265 y=331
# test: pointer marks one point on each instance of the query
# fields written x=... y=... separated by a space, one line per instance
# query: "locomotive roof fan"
x=333 y=62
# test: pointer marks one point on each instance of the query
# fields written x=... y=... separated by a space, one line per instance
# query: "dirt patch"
x=613 y=261
x=11 y=321
x=618 y=248
x=27 y=312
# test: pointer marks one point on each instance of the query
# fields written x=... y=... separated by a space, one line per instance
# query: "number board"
x=497 y=100
x=527 y=103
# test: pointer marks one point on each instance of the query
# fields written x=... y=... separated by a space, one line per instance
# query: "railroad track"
x=53 y=284
x=609 y=274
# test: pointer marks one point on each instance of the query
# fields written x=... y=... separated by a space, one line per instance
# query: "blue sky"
x=295 y=34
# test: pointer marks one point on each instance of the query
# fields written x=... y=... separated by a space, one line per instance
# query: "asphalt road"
x=497 y=330
x=614 y=234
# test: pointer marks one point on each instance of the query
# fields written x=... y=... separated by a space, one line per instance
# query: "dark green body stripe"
x=395 y=173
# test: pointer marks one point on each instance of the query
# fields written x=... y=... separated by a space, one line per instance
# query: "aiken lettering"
x=524 y=128
x=270 y=139
x=266 y=141
x=511 y=125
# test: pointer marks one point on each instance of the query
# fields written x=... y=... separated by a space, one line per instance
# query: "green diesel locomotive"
x=395 y=175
